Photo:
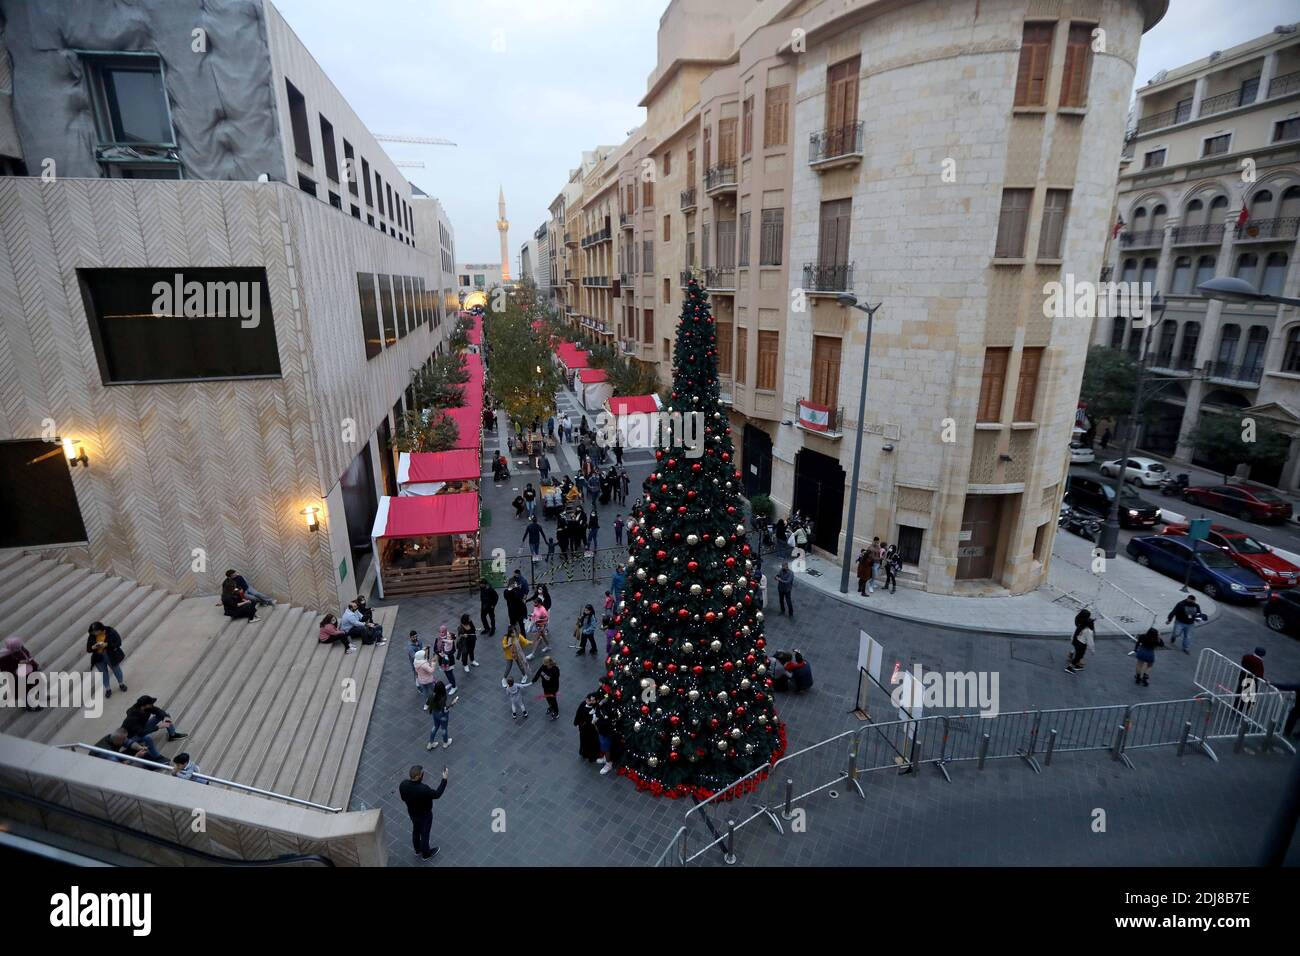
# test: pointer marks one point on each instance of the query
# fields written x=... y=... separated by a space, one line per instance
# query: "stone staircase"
x=264 y=704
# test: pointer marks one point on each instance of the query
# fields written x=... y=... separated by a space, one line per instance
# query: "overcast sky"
x=523 y=86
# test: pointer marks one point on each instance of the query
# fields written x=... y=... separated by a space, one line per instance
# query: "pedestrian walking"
x=515 y=695
x=593 y=488
x=618 y=530
x=1184 y=616
x=864 y=572
x=588 y=738
x=1082 y=639
x=426 y=670
x=544 y=469
x=439 y=707
x=1145 y=652
x=785 y=589
x=466 y=638
x=542 y=595
x=585 y=630
x=104 y=645
x=624 y=485
x=616 y=582
x=893 y=563
x=549 y=675
x=418 y=797
x=605 y=735
x=541 y=619
x=535 y=534
x=487 y=603
x=445 y=651
x=1105 y=439
x=513 y=647
x=593 y=533
x=875 y=553
x=516 y=606
x=1252 y=675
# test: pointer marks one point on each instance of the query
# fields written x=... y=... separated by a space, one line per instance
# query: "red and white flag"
x=1119 y=224
x=816 y=417
x=1242 y=216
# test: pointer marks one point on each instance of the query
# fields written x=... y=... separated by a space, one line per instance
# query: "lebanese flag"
x=816 y=417
x=1119 y=224
x=1242 y=216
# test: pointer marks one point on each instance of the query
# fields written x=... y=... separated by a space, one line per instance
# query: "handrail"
x=200 y=777
x=287 y=859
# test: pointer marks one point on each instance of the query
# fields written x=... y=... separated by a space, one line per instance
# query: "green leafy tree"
x=415 y=433
x=439 y=385
x=522 y=376
x=1109 y=378
x=1231 y=441
x=687 y=679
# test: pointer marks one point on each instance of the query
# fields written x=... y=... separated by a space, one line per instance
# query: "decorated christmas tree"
x=687 y=677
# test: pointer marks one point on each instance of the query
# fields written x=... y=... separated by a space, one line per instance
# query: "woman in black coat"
x=585 y=721
x=104 y=645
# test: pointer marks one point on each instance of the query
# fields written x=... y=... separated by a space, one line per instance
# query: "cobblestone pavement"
x=519 y=794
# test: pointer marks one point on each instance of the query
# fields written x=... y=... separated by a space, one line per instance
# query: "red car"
x=1244 y=502
x=1249 y=553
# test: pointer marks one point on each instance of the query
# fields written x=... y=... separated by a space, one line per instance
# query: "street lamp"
x=1110 y=531
x=850 y=301
x=1229 y=289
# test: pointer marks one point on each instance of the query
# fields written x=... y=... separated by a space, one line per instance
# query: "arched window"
x=1195 y=214
x=1274 y=273
x=1291 y=357
x=1218 y=209
x=1148 y=273
x=1228 y=340
x=1204 y=270
x=1165 y=352
x=1187 y=348
x=1139 y=222
x=1261 y=204
x=1290 y=204
x=1180 y=282
x=1247 y=266
x=1129 y=271
x=1256 y=344
x=1158 y=216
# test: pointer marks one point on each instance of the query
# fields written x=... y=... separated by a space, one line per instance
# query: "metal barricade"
x=1245 y=702
x=1162 y=723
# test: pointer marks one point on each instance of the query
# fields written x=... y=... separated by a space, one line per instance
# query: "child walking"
x=516 y=697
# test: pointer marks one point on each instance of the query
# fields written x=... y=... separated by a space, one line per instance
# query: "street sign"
x=1199 y=529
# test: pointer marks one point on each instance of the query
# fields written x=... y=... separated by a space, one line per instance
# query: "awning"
x=460 y=464
x=469 y=423
x=633 y=404
x=571 y=356
x=536 y=326
x=431 y=515
x=589 y=376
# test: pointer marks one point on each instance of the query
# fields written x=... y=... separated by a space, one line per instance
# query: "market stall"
x=593 y=388
x=438 y=472
x=425 y=544
x=571 y=359
x=637 y=419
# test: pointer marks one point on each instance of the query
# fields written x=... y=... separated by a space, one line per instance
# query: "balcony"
x=1255 y=229
x=1145 y=239
x=720 y=179
x=831 y=279
x=1282 y=85
x=569 y=240
x=1166 y=364
x=596 y=282
x=1210 y=234
x=688 y=199
x=625 y=278
x=597 y=237
x=1179 y=114
x=626 y=220
x=1236 y=374
x=1106 y=273
x=1226 y=101
x=837 y=146
x=627 y=346
x=826 y=422
x=720 y=280
x=685 y=277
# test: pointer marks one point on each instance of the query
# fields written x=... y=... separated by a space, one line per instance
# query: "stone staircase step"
x=41 y=625
x=334 y=787
x=23 y=592
x=14 y=560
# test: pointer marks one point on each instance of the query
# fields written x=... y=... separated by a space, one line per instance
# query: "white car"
x=1081 y=454
x=1146 y=472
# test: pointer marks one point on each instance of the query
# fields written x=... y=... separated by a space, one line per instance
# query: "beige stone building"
x=936 y=157
x=1209 y=139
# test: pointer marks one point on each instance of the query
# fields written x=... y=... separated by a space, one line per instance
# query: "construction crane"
x=421 y=140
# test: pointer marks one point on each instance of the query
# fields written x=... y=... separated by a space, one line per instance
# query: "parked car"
x=1081 y=454
x=1249 y=553
x=1246 y=502
x=1085 y=493
x=1282 y=611
x=1146 y=472
x=1211 y=570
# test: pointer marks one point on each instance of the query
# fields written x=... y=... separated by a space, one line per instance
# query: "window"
x=742 y=346
x=647 y=255
x=130 y=101
x=690 y=246
x=833 y=235
x=388 y=193
x=369 y=315
x=1031 y=360
x=668 y=227
x=668 y=162
x=771 y=237
x=1154 y=159
x=1215 y=145
x=327 y=145
x=1117 y=330
x=992 y=384
x=1247 y=266
x=149 y=326
x=402 y=300
x=365 y=178
x=1013 y=222
x=706 y=138
x=1078 y=64
x=1256 y=345
x=842 y=97
x=386 y=310
x=727 y=244
x=1205 y=267
x=724 y=347
x=1055 y=208
x=156 y=170
x=1187 y=348
x=356 y=211
x=1128 y=272
x=767 y=359
x=1183 y=110
x=1291 y=357
x=648 y=192
x=704 y=246
x=776 y=117
x=1148 y=272
x=629 y=198
x=298 y=123
x=1274 y=273
x=1181 y=281
x=666 y=351
x=690 y=169
x=1228 y=340
x=350 y=169
x=1035 y=57
x=1286 y=129
x=727 y=140
x=648 y=325
x=825 y=390
x=1249 y=89
x=743 y=259
x=1165 y=352
x=335 y=200
x=668 y=291
x=747 y=126
x=306 y=184
x=1040 y=541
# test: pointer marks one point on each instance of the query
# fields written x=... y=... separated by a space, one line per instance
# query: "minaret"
x=503 y=227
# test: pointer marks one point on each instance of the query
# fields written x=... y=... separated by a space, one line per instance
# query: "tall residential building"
x=1210 y=139
x=503 y=227
x=214 y=285
x=786 y=159
x=543 y=277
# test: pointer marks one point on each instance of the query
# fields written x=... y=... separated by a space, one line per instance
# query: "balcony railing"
x=1226 y=101
x=627 y=346
x=685 y=277
x=626 y=220
x=1106 y=273
x=568 y=273
x=600 y=235
x=569 y=240
x=1228 y=372
x=688 y=199
x=1179 y=114
x=835 y=145
x=719 y=280
x=1146 y=238
x=625 y=278
x=1209 y=234
x=721 y=176
x=596 y=282
x=827 y=278
x=810 y=420
x=1286 y=228
x=1167 y=362
x=1281 y=85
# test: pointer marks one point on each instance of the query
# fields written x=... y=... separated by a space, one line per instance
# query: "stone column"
x=1266 y=75
x=1198 y=95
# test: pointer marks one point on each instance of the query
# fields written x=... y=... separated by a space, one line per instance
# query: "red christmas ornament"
x=645 y=709
x=697 y=467
x=692 y=566
x=661 y=554
x=655 y=607
x=710 y=616
x=731 y=562
x=697 y=669
x=728 y=666
x=683 y=613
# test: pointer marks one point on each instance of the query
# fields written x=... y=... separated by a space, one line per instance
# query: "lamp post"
x=1110 y=531
x=850 y=301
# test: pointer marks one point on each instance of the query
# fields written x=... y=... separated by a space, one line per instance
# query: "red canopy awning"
x=474 y=336
x=633 y=404
x=469 y=423
x=473 y=389
x=589 y=376
x=431 y=515
x=571 y=356
x=460 y=464
x=536 y=326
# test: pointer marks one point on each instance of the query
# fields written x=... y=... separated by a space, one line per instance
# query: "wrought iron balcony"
x=1144 y=239
x=1281 y=85
x=1209 y=234
x=720 y=178
x=685 y=277
x=626 y=220
x=688 y=199
x=836 y=146
x=808 y=418
x=1179 y=114
x=1286 y=228
x=1228 y=372
x=627 y=346
x=596 y=282
x=827 y=279
x=569 y=240
x=720 y=280
x=1226 y=101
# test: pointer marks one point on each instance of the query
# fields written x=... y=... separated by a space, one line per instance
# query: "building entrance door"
x=977 y=544
x=757 y=475
x=819 y=495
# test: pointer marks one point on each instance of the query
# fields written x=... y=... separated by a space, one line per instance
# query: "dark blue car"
x=1212 y=571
